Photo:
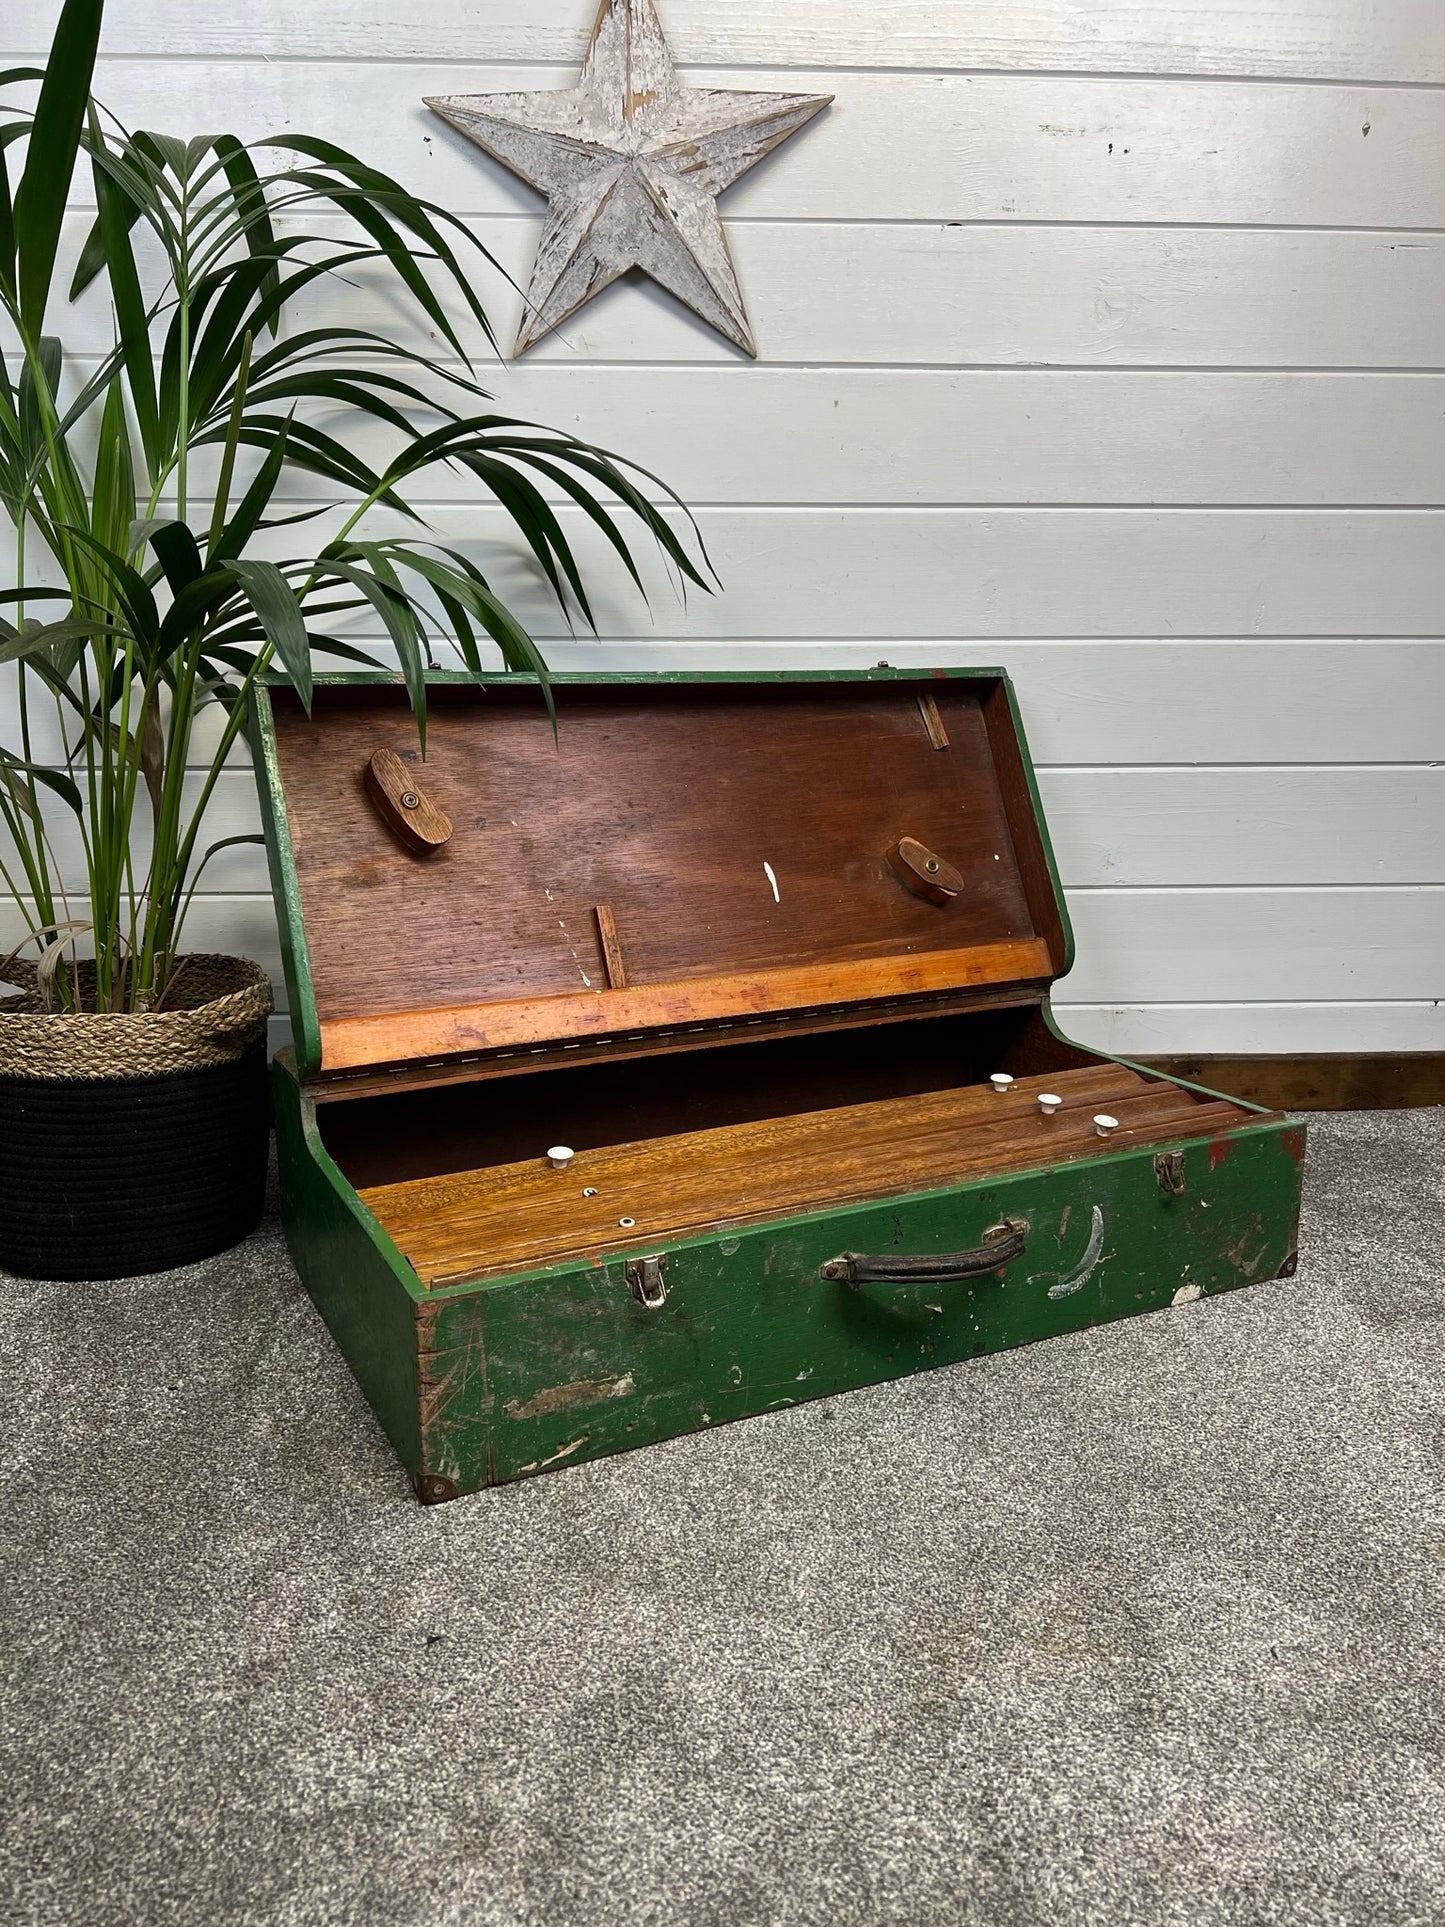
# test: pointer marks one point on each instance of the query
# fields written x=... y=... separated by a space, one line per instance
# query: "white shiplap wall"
x=1105 y=340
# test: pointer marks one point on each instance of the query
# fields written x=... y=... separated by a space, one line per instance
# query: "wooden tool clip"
x=924 y=872
x=404 y=806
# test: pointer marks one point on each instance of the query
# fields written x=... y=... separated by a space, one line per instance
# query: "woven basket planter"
x=131 y=1144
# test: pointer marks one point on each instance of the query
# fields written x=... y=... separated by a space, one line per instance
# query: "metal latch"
x=1169 y=1169
x=644 y=1277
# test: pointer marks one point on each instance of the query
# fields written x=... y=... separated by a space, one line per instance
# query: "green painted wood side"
x=530 y=1374
x=357 y=1279
x=295 y=957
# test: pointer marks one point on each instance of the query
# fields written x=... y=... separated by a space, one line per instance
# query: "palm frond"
x=154 y=483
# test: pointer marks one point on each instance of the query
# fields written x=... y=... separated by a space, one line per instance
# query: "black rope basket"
x=107 y=1177
x=133 y=1144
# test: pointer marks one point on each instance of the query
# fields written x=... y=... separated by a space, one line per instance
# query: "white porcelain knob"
x=1048 y=1103
x=560 y=1156
x=1002 y=1083
x=1104 y=1125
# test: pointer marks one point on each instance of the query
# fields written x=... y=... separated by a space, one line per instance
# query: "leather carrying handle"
x=1002 y=1243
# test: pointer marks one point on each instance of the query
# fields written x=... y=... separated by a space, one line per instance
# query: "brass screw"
x=410 y=800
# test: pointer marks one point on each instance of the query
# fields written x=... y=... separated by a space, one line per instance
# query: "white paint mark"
x=540 y=1465
x=802 y=1375
x=1075 y=1280
x=768 y=873
x=1187 y=1295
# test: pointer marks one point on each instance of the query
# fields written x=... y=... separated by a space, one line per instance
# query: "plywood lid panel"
x=677 y=852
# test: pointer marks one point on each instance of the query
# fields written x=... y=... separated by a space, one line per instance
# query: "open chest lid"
x=687 y=853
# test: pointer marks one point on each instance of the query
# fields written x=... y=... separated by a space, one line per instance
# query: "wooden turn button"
x=404 y=806
x=923 y=871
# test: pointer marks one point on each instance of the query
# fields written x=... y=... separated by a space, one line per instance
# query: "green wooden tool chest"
x=696 y=1059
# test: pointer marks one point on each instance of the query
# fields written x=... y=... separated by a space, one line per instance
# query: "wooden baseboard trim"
x=1366 y=1081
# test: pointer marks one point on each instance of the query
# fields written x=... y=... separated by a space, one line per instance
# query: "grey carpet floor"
x=1142 y=1626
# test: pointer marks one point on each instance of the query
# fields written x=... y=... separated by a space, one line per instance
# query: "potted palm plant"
x=163 y=562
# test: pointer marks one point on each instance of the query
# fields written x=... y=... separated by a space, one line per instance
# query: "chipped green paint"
x=359 y=1281
x=755 y=1329
x=479 y=1384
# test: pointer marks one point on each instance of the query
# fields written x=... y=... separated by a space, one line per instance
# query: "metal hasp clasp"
x=644 y=1278
x=1169 y=1169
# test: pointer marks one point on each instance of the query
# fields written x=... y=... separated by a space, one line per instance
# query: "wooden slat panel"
x=999 y=574
x=1247 y=826
x=979 y=296
x=1136 y=1030
x=967 y=297
x=1030 y=573
x=1386 y=40
x=879 y=573
x=894 y=436
x=990 y=437
x=980 y=148
x=1202 y=946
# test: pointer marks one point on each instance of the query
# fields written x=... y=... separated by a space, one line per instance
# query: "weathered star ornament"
x=632 y=163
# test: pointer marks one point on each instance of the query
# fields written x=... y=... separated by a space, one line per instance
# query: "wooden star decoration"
x=632 y=162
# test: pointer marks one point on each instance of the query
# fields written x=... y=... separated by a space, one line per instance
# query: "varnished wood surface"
x=738 y=834
x=406 y=1036
x=480 y=1223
